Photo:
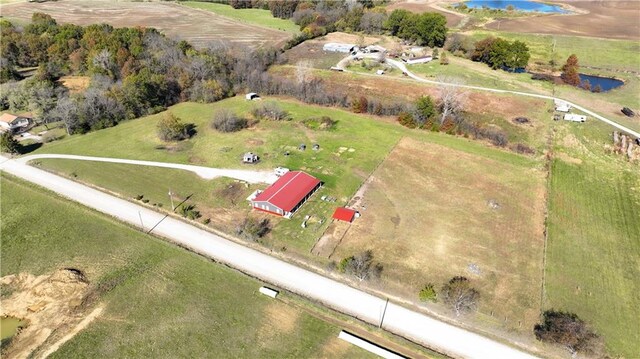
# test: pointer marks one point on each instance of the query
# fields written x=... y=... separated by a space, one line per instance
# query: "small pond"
x=9 y=326
x=606 y=83
x=531 y=6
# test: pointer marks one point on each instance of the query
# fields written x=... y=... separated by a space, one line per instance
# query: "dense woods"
x=134 y=72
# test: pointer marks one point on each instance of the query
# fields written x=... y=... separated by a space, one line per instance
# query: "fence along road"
x=418 y=327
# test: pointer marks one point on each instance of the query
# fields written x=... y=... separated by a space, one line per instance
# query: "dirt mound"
x=49 y=304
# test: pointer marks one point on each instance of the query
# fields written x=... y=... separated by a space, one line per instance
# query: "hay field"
x=199 y=27
x=427 y=218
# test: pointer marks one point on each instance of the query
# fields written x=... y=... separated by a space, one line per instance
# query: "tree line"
x=317 y=18
x=134 y=72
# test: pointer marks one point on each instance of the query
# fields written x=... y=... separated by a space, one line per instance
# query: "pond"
x=606 y=83
x=9 y=326
x=530 y=6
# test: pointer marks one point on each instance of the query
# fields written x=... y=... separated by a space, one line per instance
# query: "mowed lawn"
x=165 y=301
x=427 y=217
x=348 y=154
x=259 y=17
x=593 y=249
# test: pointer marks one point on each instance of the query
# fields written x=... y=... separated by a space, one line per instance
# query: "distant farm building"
x=250 y=157
x=345 y=214
x=380 y=72
x=374 y=49
x=285 y=196
x=338 y=47
x=252 y=96
x=418 y=60
x=13 y=123
x=574 y=117
x=562 y=106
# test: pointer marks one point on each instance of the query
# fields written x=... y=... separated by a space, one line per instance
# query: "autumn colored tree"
x=570 y=73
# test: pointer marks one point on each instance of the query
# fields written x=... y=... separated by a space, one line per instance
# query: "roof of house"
x=344 y=214
x=288 y=190
x=7 y=117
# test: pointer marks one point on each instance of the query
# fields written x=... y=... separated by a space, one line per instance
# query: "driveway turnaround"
x=418 y=327
x=204 y=172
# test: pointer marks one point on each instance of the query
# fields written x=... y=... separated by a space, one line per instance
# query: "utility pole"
x=384 y=311
x=173 y=208
x=141 y=224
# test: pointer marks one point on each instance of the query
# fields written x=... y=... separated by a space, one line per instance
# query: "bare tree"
x=371 y=22
x=459 y=295
x=226 y=121
x=569 y=331
x=451 y=97
x=104 y=61
x=361 y=266
x=303 y=71
x=67 y=111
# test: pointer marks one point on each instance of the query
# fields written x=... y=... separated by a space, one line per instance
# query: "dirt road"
x=204 y=172
x=402 y=67
x=418 y=327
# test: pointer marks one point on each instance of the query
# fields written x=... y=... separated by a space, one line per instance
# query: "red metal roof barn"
x=287 y=194
x=344 y=214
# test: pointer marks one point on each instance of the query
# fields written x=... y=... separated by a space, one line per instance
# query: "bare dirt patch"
x=427 y=219
x=199 y=27
x=277 y=320
x=607 y=19
x=50 y=304
x=75 y=84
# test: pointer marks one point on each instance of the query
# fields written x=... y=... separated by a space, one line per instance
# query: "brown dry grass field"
x=199 y=27
x=75 y=84
x=418 y=6
x=608 y=19
x=436 y=221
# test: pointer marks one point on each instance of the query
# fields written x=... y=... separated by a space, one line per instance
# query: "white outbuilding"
x=575 y=117
x=562 y=106
x=339 y=47
x=418 y=60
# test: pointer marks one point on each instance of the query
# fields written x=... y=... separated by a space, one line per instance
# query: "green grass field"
x=167 y=303
x=342 y=171
x=611 y=54
x=258 y=17
x=593 y=250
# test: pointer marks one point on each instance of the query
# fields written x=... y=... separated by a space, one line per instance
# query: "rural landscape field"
x=302 y=179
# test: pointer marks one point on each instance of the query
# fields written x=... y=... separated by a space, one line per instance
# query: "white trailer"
x=368 y=346
x=575 y=117
x=269 y=292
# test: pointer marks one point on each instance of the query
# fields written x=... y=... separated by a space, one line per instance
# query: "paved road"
x=430 y=332
x=402 y=67
x=204 y=172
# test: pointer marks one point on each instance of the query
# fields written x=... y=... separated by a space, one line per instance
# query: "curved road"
x=418 y=327
x=204 y=172
x=402 y=67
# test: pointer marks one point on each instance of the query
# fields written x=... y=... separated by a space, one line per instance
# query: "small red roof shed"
x=344 y=214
